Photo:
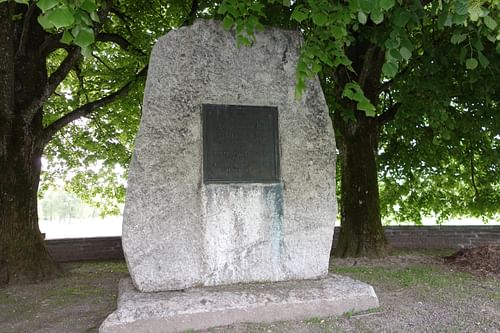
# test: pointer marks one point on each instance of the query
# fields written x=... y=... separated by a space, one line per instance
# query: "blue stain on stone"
x=273 y=197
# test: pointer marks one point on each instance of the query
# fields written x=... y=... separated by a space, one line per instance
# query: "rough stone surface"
x=179 y=232
x=200 y=308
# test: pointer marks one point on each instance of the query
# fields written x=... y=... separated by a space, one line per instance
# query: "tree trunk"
x=361 y=232
x=23 y=256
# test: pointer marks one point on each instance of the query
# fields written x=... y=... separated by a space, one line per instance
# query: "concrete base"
x=202 y=308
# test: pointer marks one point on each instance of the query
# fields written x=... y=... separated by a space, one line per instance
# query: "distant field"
x=112 y=226
x=81 y=228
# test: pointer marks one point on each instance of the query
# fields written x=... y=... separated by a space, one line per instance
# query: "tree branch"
x=115 y=38
x=102 y=62
x=51 y=44
x=191 y=16
x=119 y=40
x=367 y=64
x=472 y=174
x=26 y=25
x=55 y=79
x=124 y=18
x=389 y=114
x=87 y=109
x=103 y=13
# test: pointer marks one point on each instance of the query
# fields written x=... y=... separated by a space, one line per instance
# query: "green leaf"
x=457 y=38
x=395 y=54
x=45 y=22
x=94 y=17
x=489 y=22
x=483 y=60
x=366 y=5
x=390 y=69
x=401 y=18
x=86 y=51
x=66 y=38
x=475 y=12
x=257 y=8
x=338 y=32
x=227 y=23
x=377 y=16
x=302 y=67
x=222 y=8
x=386 y=4
x=23 y=2
x=362 y=17
x=319 y=18
x=300 y=86
x=353 y=91
x=445 y=20
x=316 y=68
x=84 y=37
x=243 y=40
x=61 y=17
x=478 y=45
x=405 y=53
x=89 y=6
x=408 y=44
x=471 y=63
x=299 y=14
x=461 y=7
x=459 y=20
x=392 y=43
x=82 y=16
x=45 y=5
x=367 y=107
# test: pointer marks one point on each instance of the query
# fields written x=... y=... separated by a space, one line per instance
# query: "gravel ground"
x=417 y=293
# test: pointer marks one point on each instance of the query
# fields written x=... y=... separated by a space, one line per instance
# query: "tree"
x=72 y=78
x=367 y=53
x=67 y=68
x=440 y=154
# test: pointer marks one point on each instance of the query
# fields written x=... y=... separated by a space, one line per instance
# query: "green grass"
x=97 y=267
x=6 y=298
x=75 y=291
x=401 y=277
x=441 y=252
x=65 y=295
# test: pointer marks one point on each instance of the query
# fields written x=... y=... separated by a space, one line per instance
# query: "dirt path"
x=418 y=293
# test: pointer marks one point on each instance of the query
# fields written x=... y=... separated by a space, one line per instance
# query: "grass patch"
x=401 y=277
x=64 y=295
x=5 y=298
x=79 y=291
x=97 y=267
x=422 y=252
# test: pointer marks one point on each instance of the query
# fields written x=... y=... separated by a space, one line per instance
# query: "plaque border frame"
x=275 y=117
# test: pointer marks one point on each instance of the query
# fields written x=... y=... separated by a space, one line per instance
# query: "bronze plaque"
x=240 y=144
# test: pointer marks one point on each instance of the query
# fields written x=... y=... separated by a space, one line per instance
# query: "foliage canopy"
x=439 y=154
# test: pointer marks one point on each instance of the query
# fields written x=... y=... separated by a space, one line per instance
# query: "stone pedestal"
x=201 y=308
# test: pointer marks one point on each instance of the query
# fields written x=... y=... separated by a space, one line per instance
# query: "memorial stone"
x=233 y=178
x=232 y=181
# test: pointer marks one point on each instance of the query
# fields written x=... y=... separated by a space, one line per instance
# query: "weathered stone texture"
x=201 y=308
x=179 y=232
